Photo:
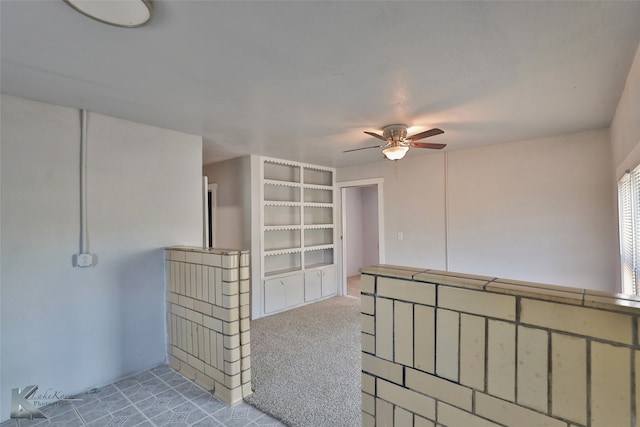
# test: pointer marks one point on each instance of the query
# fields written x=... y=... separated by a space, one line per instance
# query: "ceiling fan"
x=397 y=143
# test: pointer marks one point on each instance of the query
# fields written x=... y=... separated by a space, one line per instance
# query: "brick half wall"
x=208 y=319
x=447 y=349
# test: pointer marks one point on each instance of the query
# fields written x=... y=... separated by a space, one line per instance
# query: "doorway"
x=209 y=213
x=362 y=222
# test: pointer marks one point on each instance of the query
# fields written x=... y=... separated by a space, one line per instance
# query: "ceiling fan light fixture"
x=396 y=143
x=395 y=152
x=121 y=13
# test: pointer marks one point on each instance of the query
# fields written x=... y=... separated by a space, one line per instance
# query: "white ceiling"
x=303 y=80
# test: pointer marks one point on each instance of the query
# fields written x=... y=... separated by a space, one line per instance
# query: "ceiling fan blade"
x=375 y=135
x=425 y=134
x=427 y=145
x=364 y=148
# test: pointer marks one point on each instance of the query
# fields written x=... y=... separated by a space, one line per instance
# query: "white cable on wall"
x=83 y=183
x=446 y=211
x=205 y=212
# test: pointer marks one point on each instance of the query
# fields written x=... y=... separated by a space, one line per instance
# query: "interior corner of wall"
x=629 y=162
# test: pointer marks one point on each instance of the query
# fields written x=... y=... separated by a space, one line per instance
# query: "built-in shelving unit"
x=298 y=234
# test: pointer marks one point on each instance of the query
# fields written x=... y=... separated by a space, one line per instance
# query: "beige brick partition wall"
x=446 y=349
x=208 y=319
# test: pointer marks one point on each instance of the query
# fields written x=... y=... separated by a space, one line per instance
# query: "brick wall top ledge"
x=217 y=251
x=576 y=296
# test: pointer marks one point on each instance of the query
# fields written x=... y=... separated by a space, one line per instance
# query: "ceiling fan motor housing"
x=395 y=133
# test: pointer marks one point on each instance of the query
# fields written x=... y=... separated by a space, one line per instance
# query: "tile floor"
x=157 y=397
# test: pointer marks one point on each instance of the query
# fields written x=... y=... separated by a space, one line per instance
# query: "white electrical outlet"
x=400 y=235
x=84 y=260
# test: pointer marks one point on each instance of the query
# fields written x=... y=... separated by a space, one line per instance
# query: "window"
x=629 y=224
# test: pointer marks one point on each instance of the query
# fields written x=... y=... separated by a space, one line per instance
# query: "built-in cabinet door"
x=312 y=285
x=283 y=292
x=329 y=282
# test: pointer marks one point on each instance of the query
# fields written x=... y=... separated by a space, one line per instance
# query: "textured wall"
x=539 y=210
x=625 y=127
x=70 y=329
x=233 y=215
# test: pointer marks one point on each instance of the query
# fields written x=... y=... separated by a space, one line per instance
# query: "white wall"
x=535 y=210
x=66 y=328
x=625 y=127
x=353 y=211
x=234 y=201
x=369 y=225
x=413 y=204
x=625 y=135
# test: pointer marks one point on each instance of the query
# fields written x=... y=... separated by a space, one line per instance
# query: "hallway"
x=353 y=286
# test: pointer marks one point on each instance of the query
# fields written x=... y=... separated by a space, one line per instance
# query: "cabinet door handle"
x=282 y=282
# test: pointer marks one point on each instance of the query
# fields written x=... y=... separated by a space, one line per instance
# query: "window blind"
x=629 y=223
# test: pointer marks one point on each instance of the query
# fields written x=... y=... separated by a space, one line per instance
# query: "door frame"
x=341 y=222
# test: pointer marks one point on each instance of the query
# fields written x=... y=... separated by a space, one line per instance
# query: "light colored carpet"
x=306 y=366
